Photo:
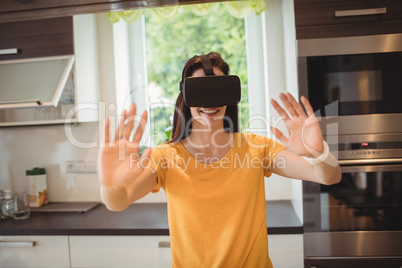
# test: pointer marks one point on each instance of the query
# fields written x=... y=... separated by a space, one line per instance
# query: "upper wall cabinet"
x=338 y=18
x=18 y=10
x=36 y=38
x=49 y=71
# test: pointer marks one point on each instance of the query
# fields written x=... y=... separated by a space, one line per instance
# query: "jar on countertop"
x=6 y=204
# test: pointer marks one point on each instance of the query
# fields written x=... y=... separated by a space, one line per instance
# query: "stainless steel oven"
x=357 y=79
x=355 y=86
x=357 y=222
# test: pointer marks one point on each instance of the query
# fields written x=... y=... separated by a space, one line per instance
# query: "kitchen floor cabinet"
x=34 y=252
x=120 y=251
x=286 y=250
x=353 y=263
x=336 y=18
x=154 y=251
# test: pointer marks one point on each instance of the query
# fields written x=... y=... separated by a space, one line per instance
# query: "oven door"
x=358 y=217
x=356 y=81
x=362 y=75
x=360 y=84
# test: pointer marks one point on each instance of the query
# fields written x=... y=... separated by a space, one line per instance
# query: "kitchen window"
x=155 y=50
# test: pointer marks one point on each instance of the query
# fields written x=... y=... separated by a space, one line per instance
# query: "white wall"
x=277 y=187
x=281 y=76
x=290 y=46
x=47 y=146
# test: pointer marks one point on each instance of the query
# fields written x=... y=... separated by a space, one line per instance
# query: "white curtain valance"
x=238 y=9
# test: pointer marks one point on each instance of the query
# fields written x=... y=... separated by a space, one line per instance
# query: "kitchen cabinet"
x=154 y=251
x=392 y=262
x=138 y=236
x=80 y=97
x=11 y=10
x=286 y=250
x=337 y=18
x=120 y=251
x=34 y=251
x=36 y=38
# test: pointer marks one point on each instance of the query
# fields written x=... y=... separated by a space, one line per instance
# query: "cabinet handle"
x=164 y=244
x=12 y=244
x=8 y=51
x=37 y=101
x=360 y=12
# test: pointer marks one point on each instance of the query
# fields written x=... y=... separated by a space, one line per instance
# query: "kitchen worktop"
x=137 y=219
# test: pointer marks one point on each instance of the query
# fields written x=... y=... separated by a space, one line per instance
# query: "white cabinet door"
x=120 y=251
x=286 y=250
x=34 y=251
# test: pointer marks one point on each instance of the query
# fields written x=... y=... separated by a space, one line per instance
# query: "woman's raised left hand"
x=305 y=136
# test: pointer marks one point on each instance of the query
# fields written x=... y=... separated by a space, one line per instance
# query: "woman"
x=213 y=176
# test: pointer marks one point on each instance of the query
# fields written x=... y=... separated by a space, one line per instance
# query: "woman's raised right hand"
x=119 y=161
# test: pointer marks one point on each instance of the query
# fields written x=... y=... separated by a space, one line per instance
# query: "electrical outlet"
x=81 y=167
x=71 y=167
x=92 y=167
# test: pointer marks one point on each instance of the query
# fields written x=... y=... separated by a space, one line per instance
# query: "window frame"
x=132 y=76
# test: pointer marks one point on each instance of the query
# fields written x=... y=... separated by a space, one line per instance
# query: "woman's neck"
x=208 y=138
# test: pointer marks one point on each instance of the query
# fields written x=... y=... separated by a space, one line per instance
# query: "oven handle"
x=370 y=161
x=375 y=165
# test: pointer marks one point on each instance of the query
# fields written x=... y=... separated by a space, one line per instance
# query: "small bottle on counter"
x=6 y=204
x=37 y=187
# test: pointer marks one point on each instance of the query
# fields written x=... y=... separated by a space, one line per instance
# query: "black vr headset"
x=211 y=90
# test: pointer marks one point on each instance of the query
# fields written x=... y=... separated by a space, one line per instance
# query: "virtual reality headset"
x=211 y=90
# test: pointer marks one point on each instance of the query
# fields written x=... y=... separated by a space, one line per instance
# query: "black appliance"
x=355 y=79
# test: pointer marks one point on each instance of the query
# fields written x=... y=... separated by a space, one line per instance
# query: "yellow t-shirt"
x=216 y=212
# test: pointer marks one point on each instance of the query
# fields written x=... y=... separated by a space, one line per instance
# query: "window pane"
x=171 y=42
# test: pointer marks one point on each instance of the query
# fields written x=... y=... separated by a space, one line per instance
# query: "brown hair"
x=182 y=116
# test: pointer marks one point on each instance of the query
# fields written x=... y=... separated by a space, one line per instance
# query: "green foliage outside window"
x=171 y=42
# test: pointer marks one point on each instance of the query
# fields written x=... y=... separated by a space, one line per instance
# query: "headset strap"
x=206 y=65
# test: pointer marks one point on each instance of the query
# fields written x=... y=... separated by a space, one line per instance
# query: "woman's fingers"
x=125 y=128
x=145 y=157
x=307 y=105
x=296 y=105
x=120 y=128
x=130 y=121
x=282 y=113
x=293 y=107
x=279 y=135
x=107 y=132
x=140 y=128
x=288 y=105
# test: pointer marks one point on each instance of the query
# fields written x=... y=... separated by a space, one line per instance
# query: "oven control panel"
x=367 y=150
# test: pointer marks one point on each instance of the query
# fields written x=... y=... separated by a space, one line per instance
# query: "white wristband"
x=321 y=158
